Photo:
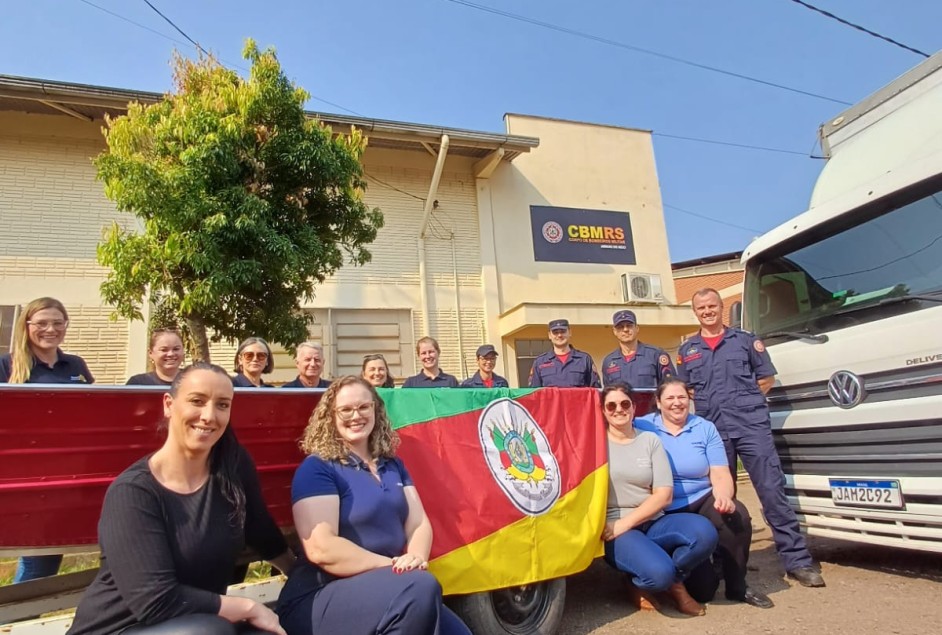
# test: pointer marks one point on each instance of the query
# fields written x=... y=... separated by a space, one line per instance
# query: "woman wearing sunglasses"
x=704 y=485
x=252 y=360
x=37 y=359
x=360 y=520
x=656 y=550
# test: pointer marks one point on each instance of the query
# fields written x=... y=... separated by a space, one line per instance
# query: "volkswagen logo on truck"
x=846 y=389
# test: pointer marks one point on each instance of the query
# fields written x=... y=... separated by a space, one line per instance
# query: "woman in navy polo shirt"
x=166 y=354
x=431 y=375
x=252 y=360
x=365 y=534
x=704 y=485
x=37 y=359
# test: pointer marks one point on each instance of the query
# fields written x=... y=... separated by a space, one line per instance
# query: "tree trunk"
x=198 y=340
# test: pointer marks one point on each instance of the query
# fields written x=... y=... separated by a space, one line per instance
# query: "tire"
x=531 y=609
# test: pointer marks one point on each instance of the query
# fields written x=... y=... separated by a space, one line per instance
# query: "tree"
x=245 y=203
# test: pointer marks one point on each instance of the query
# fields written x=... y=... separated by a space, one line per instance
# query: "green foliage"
x=244 y=203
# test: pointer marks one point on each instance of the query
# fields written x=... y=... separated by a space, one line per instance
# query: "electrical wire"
x=729 y=143
x=392 y=187
x=193 y=43
x=178 y=29
x=713 y=220
x=638 y=49
x=828 y=14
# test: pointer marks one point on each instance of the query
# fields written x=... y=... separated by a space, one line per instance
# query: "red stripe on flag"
x=459 y=492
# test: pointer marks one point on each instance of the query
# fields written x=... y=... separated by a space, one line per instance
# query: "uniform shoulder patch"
x=759 y=346
x=664 y=360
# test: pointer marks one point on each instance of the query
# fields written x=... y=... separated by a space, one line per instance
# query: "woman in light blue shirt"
x=704 y=485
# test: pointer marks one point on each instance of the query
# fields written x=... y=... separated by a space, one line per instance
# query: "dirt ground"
x=869 y=590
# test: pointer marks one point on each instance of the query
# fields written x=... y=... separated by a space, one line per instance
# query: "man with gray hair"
x=310 y=362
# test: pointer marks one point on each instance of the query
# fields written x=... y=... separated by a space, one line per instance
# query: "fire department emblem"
x=518 y=455
x=552 y=232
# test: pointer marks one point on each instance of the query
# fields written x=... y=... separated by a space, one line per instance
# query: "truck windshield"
x=884 y=265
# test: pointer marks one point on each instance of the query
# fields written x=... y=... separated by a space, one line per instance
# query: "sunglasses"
x=251 y=355
x=613 y=406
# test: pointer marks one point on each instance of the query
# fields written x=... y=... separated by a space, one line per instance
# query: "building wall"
x=726 y=277
x=52 y=211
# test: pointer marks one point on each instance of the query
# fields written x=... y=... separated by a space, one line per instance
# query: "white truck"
x=848 y=299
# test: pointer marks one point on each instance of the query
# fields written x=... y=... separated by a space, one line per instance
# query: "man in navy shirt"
x=564 y=366
x=633 y=362
x=730 y=371
x=310 y=362
x=485 y=377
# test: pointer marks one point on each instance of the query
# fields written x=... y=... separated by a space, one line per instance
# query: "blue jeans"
x=659 y=553
x=33 y=567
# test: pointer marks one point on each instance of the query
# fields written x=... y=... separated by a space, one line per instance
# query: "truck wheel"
x=531 y=609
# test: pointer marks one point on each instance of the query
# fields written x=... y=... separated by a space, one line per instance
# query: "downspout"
x=423 y=228
x=454 y=269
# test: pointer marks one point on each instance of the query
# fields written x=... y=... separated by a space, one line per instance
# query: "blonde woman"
x=365 y=534
x=37 y=359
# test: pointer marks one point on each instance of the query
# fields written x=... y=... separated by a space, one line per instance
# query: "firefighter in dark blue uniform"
x=485 y=377
x=564 y=366
x=730 y=371
x=633 y=362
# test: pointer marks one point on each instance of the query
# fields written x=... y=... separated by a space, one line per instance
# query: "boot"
x=641 y=599
x=685 y=604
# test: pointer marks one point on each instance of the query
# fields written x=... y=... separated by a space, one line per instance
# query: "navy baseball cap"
x=486 y=349
x=559 y=324
x=624 y=316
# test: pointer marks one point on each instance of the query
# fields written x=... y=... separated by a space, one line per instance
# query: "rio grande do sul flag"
x=514 y=480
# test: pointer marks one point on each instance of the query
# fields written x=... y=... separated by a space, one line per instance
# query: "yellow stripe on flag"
x=561 y=542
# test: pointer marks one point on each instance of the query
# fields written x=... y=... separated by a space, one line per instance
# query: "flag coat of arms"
x=514 y=481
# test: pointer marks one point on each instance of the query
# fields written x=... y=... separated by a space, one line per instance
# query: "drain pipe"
x=423 y=229
x=454 y=270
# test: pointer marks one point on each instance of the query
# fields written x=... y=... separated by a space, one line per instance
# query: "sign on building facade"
x=565 y=234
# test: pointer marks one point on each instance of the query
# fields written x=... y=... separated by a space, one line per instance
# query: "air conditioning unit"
x=641 y=288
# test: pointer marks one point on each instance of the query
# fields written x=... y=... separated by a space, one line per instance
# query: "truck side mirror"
x=735 y=314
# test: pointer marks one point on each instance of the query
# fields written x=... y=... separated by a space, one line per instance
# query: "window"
x=527 y=352
x=884 y=265
x=7 y=318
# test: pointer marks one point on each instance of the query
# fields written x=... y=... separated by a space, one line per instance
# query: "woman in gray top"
x=658 y=551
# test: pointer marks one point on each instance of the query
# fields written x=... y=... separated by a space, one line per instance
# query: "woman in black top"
x=173 y=524
x=166 y=354
x=253 y=359
x=37 y=359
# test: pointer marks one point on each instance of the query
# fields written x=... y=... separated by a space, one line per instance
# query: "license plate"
x=881 y=494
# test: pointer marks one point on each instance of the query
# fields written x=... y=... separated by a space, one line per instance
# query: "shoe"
x=807 y=576
x=641 y=599
x=685 y=604
x=753 y=598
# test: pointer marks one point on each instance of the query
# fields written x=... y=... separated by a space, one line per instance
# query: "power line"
x=745 y=146
x=638 y=49
x=828 y=14
x=198 y=47
x=712 y=220
x=178 y=29
x=392 y=187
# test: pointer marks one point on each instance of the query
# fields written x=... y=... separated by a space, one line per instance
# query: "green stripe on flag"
x=408 y=406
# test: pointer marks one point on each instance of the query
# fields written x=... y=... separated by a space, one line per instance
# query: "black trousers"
x=731 y=555
x=196 y=624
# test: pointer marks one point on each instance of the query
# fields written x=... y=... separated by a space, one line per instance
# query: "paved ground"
x=870 y=590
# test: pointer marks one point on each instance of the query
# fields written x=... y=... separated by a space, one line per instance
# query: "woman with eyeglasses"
x=360 y=520
x=655 y=549
x=253 y=359
x=36 y=358
x=173 y=524
x=165 y=351
x=375 y=370
x=703 y=485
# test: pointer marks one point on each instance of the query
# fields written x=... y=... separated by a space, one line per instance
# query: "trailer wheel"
x=531 y=609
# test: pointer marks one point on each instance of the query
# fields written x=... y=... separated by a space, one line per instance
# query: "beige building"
x=487 y=237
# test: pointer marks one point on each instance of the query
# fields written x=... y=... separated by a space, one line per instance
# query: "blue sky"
x=437 y=62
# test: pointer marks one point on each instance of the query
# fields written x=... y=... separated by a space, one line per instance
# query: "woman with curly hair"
x=365 y=534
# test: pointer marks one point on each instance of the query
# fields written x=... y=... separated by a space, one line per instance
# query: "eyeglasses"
x=612 y=406
x=44 y=325
x=252 y=355
x=347 y=412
